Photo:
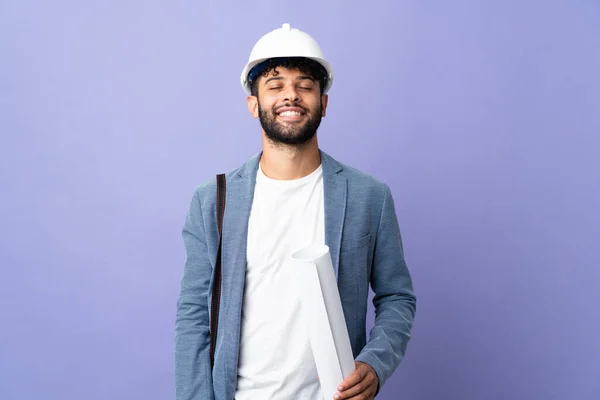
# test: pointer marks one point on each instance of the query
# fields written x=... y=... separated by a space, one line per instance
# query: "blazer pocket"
x=355 y=253
x=358 y=243
x=355 y=246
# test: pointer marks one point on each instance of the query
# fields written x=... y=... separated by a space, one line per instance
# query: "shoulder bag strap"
x=216 y=290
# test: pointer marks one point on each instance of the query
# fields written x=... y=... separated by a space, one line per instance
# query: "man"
x=287 y=197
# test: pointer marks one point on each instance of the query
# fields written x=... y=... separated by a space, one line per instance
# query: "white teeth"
x=290 y=114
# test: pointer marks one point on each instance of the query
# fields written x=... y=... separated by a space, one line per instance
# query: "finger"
x=362 y=396
x=358 y=375
x=363 y=387
x=358 y=389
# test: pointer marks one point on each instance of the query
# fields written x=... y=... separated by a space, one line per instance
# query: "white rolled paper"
x=324 y=317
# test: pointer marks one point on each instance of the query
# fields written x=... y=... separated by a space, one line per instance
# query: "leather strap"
x=216 y=289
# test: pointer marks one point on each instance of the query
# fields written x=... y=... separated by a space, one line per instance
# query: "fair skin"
x=293 y=162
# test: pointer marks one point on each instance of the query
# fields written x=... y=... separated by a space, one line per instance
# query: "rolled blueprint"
x=324 y=317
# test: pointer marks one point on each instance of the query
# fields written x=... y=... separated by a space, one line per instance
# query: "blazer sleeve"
x=193 y=378
x=394 y=298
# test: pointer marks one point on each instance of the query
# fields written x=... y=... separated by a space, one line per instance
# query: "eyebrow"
x=299 y=78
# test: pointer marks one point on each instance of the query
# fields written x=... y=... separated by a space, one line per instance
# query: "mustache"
x=287 y=104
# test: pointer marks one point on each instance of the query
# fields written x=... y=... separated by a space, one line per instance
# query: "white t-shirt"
x=276 y=361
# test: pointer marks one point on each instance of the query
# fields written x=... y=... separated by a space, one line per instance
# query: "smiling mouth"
x=290 y=114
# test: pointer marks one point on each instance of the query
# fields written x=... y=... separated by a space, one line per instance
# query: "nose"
x=291 y=94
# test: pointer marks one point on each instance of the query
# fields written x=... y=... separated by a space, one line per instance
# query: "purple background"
x=483 y=117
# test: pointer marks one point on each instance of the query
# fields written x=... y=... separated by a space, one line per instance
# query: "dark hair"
x=305 y=65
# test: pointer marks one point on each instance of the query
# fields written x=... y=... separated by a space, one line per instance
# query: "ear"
x=324 y=99
x=253 y=106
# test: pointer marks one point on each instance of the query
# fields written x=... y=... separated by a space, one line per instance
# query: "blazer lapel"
x=335 y=194
x=240 y=194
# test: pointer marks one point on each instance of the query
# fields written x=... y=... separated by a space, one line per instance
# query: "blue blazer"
x=361 y=230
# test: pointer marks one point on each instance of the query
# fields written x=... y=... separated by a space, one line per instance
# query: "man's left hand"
x=361 y=385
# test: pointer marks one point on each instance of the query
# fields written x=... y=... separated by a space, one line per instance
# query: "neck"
x=289 y=162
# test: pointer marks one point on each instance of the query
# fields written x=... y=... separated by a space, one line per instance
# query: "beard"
x=291 y=134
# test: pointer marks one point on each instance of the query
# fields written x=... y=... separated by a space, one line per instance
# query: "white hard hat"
x=286 y=42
